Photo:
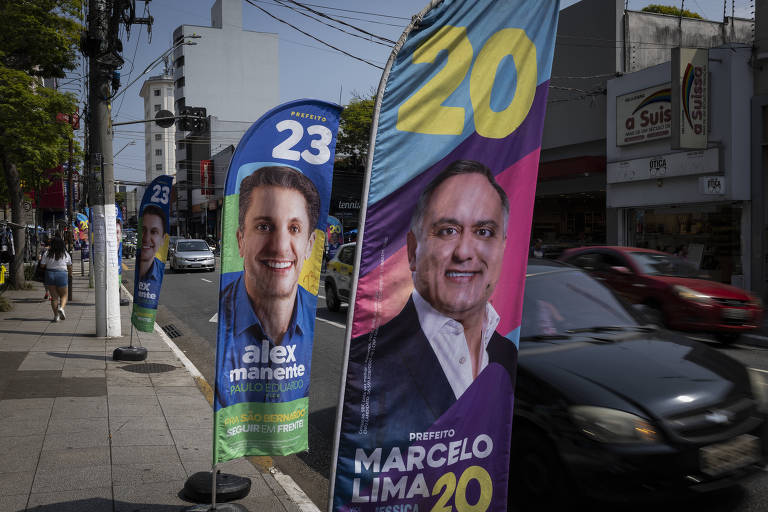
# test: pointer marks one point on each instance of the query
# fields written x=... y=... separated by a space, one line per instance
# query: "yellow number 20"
x=446 y=485
x=424 y=111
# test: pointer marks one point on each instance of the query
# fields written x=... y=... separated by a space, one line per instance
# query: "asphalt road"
x=189 y=302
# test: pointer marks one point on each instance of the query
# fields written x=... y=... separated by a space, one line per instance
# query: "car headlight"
x=759 y=382
x=692 y=295
x=613 y=426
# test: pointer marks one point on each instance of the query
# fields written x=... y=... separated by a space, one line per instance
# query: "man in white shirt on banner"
x=413 y=368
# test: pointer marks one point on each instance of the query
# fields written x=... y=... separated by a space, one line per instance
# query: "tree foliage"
x=354 y=133
x=38 y=38
x=673 y=11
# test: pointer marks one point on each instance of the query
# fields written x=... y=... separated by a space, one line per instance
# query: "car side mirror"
x=619 y=269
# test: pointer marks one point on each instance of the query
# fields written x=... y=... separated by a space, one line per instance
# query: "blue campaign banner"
x=426 y=417
x=277 y=194
x=151 y=252
x=119 y=229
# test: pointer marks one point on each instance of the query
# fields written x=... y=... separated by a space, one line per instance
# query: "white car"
x=338 y=277
x=187 y=254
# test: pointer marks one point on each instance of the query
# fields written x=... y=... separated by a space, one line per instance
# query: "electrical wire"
x=318 y=13
x=313 y=37
x=333 y=27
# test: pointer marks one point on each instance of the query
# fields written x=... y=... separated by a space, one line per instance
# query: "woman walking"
x=57 y=264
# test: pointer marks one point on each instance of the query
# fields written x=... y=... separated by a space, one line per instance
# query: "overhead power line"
x=318 y=13
x=313 y=37
x=332 y=26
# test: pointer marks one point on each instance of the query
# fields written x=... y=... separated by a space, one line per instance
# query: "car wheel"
x=537 y=478
x=332 y=301
x=727 y=338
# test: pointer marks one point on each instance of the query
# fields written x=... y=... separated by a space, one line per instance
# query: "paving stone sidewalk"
x=80 y=432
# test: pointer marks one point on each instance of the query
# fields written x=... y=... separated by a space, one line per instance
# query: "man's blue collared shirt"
x=239 y=327
x=149 y=286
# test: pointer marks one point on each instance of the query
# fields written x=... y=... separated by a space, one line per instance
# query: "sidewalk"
x=80 y=432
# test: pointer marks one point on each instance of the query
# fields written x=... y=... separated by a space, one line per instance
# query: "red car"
x=671 y=289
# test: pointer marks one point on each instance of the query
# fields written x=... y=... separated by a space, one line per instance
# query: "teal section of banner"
x=143 y=319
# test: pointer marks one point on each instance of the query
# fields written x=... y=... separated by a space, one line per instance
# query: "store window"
x=708 y=236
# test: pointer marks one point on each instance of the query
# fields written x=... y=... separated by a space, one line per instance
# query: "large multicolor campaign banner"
x=277 y=194
x=426 y=417
x=152 y=251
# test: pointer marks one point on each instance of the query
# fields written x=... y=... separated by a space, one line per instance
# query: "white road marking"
x=322 y=297
x=207 y=281
x=335 y=324
x=756 y=369
x=757 y=337
x=214 y=319
x=709 y=340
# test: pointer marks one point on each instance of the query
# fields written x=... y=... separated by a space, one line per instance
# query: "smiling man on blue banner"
x=151 y=253
x=276 y=201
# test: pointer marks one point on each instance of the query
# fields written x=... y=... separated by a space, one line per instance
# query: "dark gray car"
x=193 y=254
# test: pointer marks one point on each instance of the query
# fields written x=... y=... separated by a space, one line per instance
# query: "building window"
x=179 y=62
x=180 y=145
x=157 y=108
x=158 y=136
x=156 y=92
x=158 y=152
x=159 y=167
x=180 y=82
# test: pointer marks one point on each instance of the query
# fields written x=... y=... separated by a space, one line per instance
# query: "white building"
x=159 y=143
x=233 y=74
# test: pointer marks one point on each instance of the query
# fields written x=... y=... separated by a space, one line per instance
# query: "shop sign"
x=348 y=204
x=644 y=115
x=663 y=166
x=690 y=98
x=712 y=185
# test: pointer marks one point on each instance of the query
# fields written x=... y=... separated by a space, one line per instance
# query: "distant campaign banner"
x=151 y=252
x=277 y=194
x=426 y=416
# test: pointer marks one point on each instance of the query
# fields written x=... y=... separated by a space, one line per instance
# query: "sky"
x=308 y=69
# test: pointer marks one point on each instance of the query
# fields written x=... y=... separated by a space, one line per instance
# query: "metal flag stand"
x=130 y=353
x=229 y=486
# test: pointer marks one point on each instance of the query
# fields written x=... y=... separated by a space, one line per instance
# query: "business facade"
x=597 y=41
x=694 y=200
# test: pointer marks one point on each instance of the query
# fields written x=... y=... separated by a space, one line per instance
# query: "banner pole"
x=213 y=487
x=416 y=19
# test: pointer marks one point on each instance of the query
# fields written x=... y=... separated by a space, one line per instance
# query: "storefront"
x=693 y=202
x=708 y=235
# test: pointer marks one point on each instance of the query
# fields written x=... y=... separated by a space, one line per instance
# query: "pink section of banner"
x=519 y=181
x=382 y=293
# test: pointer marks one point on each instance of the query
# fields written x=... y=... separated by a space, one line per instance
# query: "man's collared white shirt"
x=447 y=339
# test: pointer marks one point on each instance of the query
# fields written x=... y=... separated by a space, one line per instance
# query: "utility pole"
x=103 y=61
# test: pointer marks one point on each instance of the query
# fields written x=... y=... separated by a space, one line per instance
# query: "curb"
x=294 y=492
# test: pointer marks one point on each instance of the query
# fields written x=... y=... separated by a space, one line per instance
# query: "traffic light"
x=193 y=119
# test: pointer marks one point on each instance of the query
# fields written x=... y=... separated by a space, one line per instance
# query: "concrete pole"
x=104 y=247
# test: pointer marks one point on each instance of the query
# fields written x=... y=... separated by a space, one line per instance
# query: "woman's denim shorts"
x=56 y=278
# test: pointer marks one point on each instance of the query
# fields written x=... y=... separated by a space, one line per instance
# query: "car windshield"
x=562 y=302
x=192 y=246
x=657 y=264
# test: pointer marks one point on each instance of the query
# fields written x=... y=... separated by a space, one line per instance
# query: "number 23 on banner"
x=285 y=150
x=424 y=111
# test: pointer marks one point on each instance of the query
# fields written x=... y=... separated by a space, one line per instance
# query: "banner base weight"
x=228 y=487
x=129 y=354
x=221 y=507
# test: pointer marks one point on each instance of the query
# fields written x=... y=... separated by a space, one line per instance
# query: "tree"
x=673 y=11
x=38 y=38
x=354 y=134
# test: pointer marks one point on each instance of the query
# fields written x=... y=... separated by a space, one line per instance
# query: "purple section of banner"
x=462 y=443
x=387 y=220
